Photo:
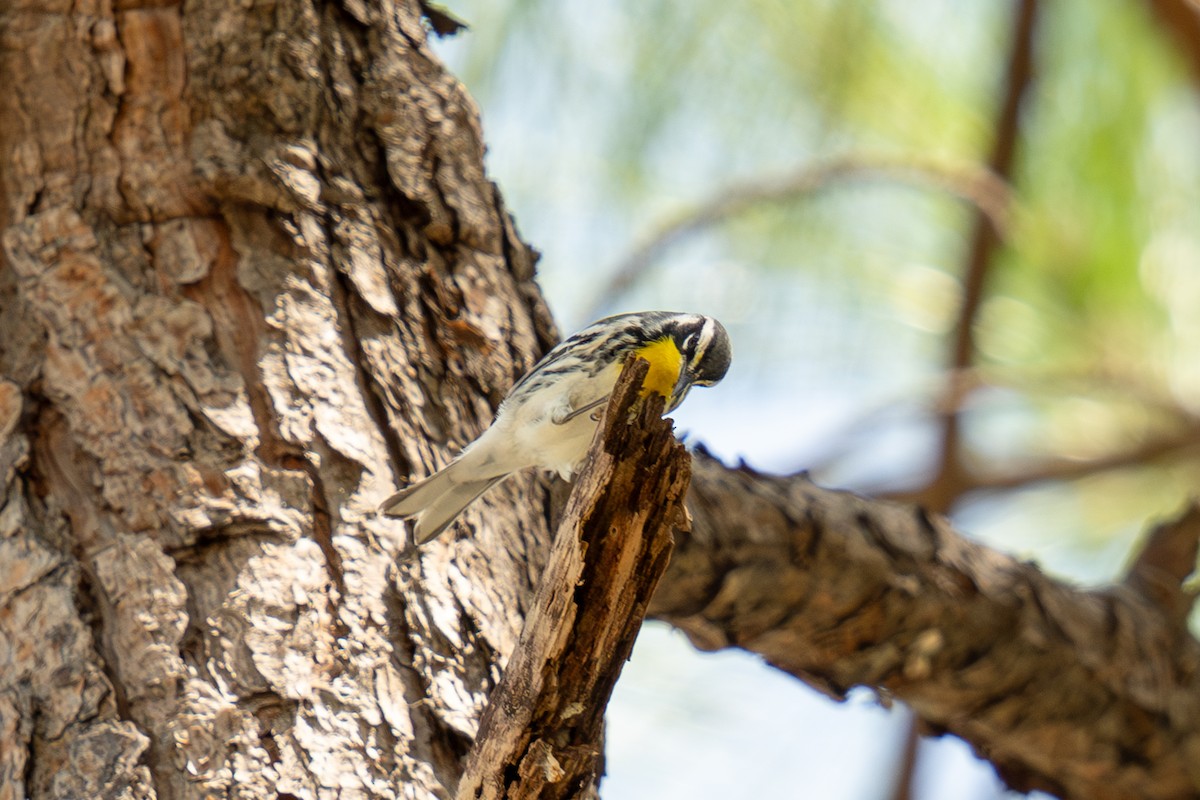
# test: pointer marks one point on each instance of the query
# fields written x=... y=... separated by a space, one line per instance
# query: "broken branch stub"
x=1161 y=568
x=540 y=735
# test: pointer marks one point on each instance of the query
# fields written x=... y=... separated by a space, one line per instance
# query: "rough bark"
x=254 y=275
x=1081 y=693
x=541 y=734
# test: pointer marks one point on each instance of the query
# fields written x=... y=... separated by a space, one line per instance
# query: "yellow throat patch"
x=665 y=362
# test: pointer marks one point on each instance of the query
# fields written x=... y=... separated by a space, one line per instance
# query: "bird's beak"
x=682 y=387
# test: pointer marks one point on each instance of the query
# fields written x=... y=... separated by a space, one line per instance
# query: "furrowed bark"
x=253 y=276
x=541 y=733
x=1081 y=693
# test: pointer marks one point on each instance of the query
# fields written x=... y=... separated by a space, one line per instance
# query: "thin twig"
x=1181 y=18
x=1179 y=444
x=971 y=182
x=985 y=238
x=1184 y=423
x=906 y=770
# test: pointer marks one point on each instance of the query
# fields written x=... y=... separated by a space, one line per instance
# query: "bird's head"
x=704 y=346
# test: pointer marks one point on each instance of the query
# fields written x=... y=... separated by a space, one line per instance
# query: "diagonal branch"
x=1184 y=443
x=1085 y=694
x=976 y=185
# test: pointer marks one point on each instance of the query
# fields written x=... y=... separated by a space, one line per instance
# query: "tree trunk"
x=253 y=277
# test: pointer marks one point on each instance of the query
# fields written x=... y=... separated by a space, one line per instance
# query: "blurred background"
x=957 y=246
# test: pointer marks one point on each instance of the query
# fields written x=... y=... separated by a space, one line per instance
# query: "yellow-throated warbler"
x=546 y=422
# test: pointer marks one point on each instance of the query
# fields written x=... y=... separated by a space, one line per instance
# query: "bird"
x=548 y=418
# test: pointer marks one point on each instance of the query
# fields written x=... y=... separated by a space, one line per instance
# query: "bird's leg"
x=559 y=418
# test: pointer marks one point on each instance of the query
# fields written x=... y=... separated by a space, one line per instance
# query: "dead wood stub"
x=541 y=733
x=1162 y=566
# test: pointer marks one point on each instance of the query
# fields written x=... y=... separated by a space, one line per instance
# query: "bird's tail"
x=436 y=501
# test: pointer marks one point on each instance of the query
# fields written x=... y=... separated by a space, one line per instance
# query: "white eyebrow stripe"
x=707 y=331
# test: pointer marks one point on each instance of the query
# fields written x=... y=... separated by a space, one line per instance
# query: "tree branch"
x=1175 y=445
x=1181 y=18
x=971 y=182
x=540 y=736
x=1164 y=563
x=1085 y=694
x=945 y=486
x=985 y=237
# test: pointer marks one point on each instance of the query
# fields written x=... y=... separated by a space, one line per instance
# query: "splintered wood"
x=541 y=733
